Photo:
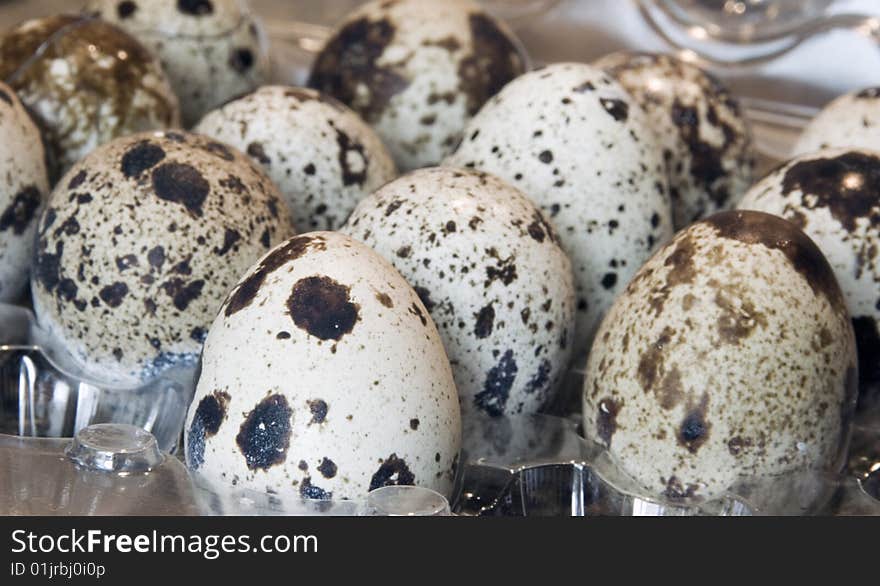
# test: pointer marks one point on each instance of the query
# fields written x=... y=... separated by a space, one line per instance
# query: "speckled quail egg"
x=834 y=197
x=573 y=140
x=25 y=185
x=140 y=242
x=418 y=70
x=730 y=355
x=212 y=50
x=324 y=376
x=87 y=82
x=489 y=268
x=851 y=120
x=705 y=138
x=321 y=155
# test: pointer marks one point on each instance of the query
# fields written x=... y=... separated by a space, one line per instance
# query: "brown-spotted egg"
x=140 y=242
x=212 y=50
x=576 y=143
x=321 y=155
x=418 y=70
x=849 y=121
x=25 y=185
x=700 y=126
x=87 y=82
x=323 y=376
x=834 y=197
x=489 y=268
x=729 y=356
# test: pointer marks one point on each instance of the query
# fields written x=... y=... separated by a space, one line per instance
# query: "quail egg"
x=729 y=356
x=573 y=140
x=851 y=120
x=834 y=197
x=212 y=50
x=489 y=268
x=26 y=183
x=324 y=377
x=700 y=126
x=87 y=82
x=139 y=243
x=418 y=70
x=321 y=155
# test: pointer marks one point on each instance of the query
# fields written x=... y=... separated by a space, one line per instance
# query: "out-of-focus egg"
x=705 y=138
x=321 y=155
x=25 y=186
x=212 y=50
x=324 y=376
x=418 y=70
x=851 y=120
x=140 y=242
x=575 y=142
x=730 y=356
x=87 y=82
x=834 y=197
x=490 y=269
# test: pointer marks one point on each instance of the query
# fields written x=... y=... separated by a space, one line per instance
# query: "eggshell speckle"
x=212 y=50
x=320 y=154
x=851 y=120
x=574 y=142
x=139 y=243
x=834 y=197
x=25 y=184
x=489 y=268
x=87 y=82
x=729 y=356
x=323 y=376
x=418 y=70
x=705 y=138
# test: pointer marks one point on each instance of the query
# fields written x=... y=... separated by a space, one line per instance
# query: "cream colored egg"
x=490 y=269
x=25 y=185
x=729 y=358
x=833 y=195
x=323 y=376
x=417 y=71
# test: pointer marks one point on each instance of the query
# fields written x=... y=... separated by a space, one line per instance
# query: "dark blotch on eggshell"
x=210 y=413
x=114 y=294
x=310 y=491
x=181 y=183
x=425 y=297
x=264 y=437
x=349 y=60
x=230 y=237
x=321 y=306
x=241 y=60
x=248 y=289
x=618 y=109
x=494 y=62
x=318 y=407
x=77 y=180
x=694 y=429
x=140 y=157
x=606 y=419
x=868 y=346
x=125 y=9
x=848 y=185
x=21 y=210
x=496 y=388
x=195 y=7
x=256 y=150
x=347 y=146
x=485 y=322
x=394 y=471
x=773 y=232
x=327 y=468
